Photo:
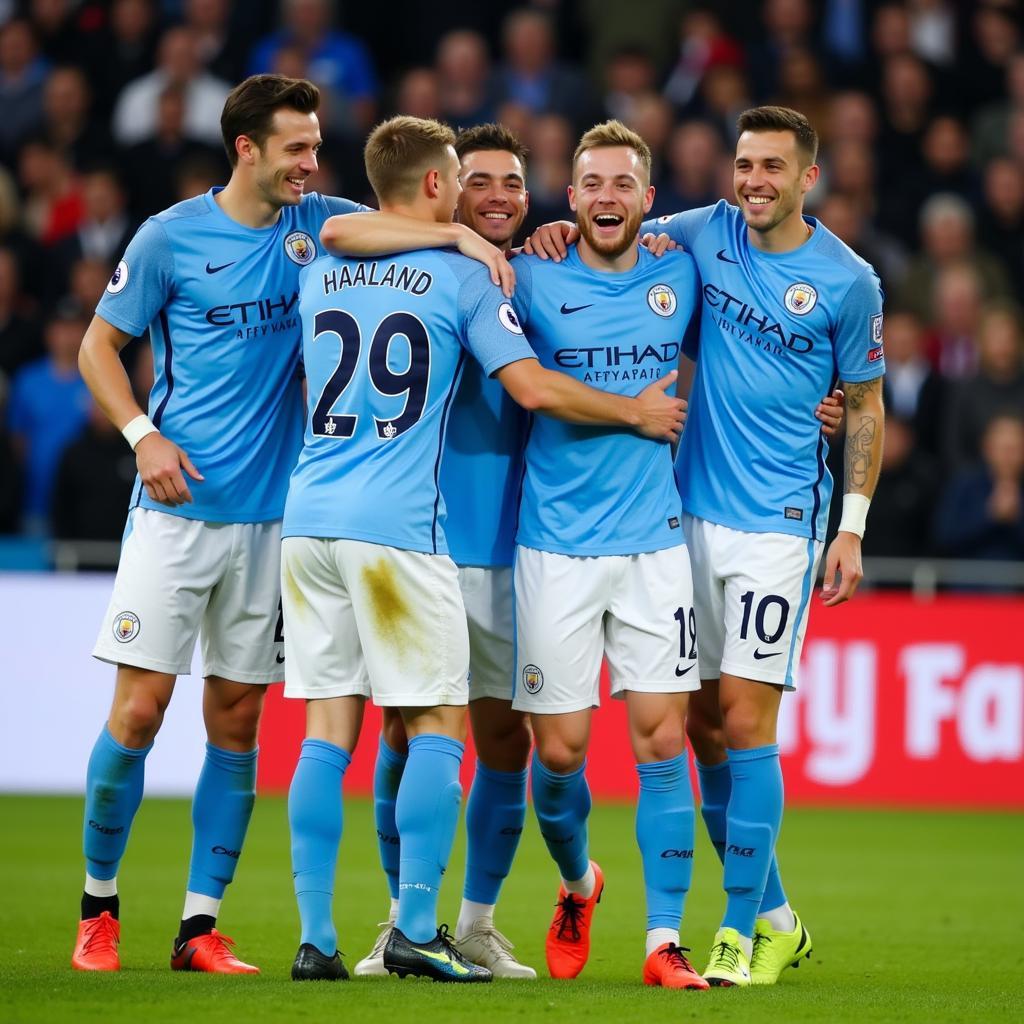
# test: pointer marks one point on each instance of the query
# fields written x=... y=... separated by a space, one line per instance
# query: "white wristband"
x=855 y=514
x=135 y=430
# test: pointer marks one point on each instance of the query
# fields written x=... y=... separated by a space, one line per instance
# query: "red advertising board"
x=900 y=702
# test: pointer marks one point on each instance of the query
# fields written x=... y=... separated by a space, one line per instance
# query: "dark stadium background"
x=110 y=112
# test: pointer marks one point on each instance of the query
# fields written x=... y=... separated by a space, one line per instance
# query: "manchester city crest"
x=300 y=248
x=662 y=300
x=800 y=298
x=126 y=627
x=533 y=678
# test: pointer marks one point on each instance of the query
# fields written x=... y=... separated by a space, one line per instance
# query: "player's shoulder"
x=187 y=209
x=676 y=264
x=839 y=254
x=464 y=270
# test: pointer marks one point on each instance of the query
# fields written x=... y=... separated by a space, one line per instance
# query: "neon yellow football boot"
x=775 y=951
x=727 y=963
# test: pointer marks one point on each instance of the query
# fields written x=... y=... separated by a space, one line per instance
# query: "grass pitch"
x=915 y=917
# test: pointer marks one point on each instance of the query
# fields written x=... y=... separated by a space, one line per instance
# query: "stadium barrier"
x=902 y=702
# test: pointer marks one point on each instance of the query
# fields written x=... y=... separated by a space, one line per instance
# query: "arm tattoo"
x=857 y=453
x=857 y=393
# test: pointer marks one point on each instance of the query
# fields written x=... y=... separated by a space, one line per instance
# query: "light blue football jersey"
x=777 y=330
x=603 y=490
x=220 y=301
x=384 y=344
x=482 y=470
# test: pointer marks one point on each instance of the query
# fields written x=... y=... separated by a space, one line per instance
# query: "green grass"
x=915 y=917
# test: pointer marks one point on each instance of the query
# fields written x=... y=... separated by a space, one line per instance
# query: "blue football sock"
x=427 y=812
x=221 y=809
x=715 y=786
x=113 y=791
x=387 y=776
x=495 y=813
x=664 y=833
x=753 y=820
x=562 y=804
x=314 y=818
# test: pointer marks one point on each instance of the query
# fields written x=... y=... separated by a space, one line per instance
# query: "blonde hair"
x=614 y=133
x=399 y=152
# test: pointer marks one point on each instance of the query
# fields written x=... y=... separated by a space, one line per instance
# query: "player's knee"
x=707 y=738
x=237 y=726
x=747 y=727
x=662 y=743
x=558 y=754
x=506 y=749
x=135 y=719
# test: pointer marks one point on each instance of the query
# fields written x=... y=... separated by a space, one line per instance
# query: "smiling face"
x=770 y=179
x=494 y=199
x=287 y=158
x=610 y=194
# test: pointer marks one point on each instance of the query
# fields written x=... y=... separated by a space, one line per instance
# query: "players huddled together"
x=497 y=490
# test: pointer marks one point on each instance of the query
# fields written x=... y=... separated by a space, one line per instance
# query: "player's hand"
x=843 y=570
x=830 y=411
x=552 y=241
x=661 y=415
x=476 y=248
x=160 y=464
x=658 y=245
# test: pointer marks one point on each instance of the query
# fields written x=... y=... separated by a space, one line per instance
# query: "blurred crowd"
x=110 y=113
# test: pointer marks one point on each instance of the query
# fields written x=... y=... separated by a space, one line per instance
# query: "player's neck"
x=243 y=205
x=784 y=237
x=625 y=260
x=420 y=209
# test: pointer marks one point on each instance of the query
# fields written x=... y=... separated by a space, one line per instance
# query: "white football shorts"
x=179 y=578
x=753 y=596
x=636 y=610
x=490 y=616
x=372 y=620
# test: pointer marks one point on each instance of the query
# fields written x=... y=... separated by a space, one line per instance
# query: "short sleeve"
x=336 y=205
x=857 y=338
x=141 y=283
x=682 y=228
x=490 y=327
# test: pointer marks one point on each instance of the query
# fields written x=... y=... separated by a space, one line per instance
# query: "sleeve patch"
x=508 y=319
x=876 y=329
x=119 y=279
x=875 y=354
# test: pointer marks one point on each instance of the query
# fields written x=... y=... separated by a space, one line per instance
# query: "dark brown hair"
x=398 y=153
x=781 y=119
x=250 y=107
x=490 y=137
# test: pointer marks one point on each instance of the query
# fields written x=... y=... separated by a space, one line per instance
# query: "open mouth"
x=758 y=201
x=608 y=221
x=297 y=183
x=498 y=216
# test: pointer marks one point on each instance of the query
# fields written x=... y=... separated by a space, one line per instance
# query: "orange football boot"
x=669 y=968
x=210 y=953
x=96 y=948
x=568 y=942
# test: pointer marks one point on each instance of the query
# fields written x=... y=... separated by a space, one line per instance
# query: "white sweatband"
x=855 y=514
x=135 y=430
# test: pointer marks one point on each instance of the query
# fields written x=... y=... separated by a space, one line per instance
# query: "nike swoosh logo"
x=760 y=657
x=280 y=659
x=223 y=266
x=574 y=309
x=683 y=671
x=442 y=958
x=725 y=259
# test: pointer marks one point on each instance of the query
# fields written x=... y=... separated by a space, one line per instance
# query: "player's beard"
x=612 y=247
x=785 y=204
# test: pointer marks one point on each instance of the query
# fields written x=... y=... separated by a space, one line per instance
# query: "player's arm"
x=652 y=412
x=830 y=411
x=383 y=234
x=552 y=241
x=862 y=462
x=160 y=461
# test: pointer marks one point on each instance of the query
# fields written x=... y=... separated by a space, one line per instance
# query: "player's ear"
x=648 y=199
x=431 y=183
x=526 y=201
x=811 y=177
x=246 y=149
x=572 y=198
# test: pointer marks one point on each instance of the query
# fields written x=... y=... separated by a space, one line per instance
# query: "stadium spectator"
x=724 y=94
x=787 y=26
x=852 y=118
x=137 y=107
x=992 y=123
x=703 y=43
x=981 y=513
x=58 y=28
x=993 y=38
x=846 y=218
x=22 y=76
x=954 y=317
x=20 y=340
x=932 y=31
x=629 y=77
x=48 y=408
x=650 y=115
x=914 y=392
x=467 y=95
x=221 y=49
x=418 y=94
x=531 y=75
x=337 y=61
x=93 y=484
x=947 y=167
x=151 y=167
x=690 y=176
x=802 y=85
x=122 y=51
x=54 y=205
x=550 y=164
x=67 y=118
x=905 y=496
x=997 y=388
x=1001 y=224
x=947 y=238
